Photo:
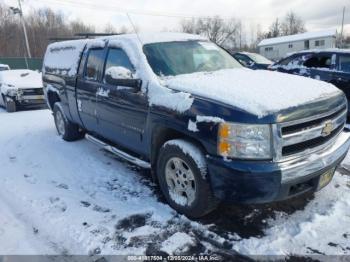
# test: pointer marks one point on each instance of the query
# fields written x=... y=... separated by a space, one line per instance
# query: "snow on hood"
x=258 y=92
x=21 y=79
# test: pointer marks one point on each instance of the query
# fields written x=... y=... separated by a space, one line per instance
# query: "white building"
x=278 y=47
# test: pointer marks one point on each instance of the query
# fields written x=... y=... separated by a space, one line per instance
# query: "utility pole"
x=342 y=29
x=24 y=28
x=20 y=12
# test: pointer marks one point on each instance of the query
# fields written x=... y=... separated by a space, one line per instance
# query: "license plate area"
x=325 y=178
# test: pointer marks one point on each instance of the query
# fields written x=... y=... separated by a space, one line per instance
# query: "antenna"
x=342 y=29
x=134 y=27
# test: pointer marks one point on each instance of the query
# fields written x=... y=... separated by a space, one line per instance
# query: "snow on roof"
x=148 y=38
x=21 y=78
x=330 y=50
x=298 y=37
x=63 y=57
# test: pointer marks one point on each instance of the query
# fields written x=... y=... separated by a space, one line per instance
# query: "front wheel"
x=182 y=175
x=65 y=128
x=10 y=105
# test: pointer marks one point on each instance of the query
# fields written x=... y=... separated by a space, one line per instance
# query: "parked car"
x=4 y=67
x=252 y=60
x=209 y=129
x=330 y=65
x=20 y=88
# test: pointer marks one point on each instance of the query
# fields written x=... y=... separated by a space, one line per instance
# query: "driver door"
x=122 y=111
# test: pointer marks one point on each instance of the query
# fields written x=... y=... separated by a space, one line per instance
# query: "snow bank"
x=177 y=242
x=20 y=79
x=63 y=57
x=321 y=223
x=257 y=92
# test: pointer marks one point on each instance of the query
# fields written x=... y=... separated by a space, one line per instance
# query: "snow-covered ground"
x=72 y=198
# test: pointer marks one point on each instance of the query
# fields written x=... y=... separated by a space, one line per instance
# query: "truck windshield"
x=259 y=59
x=186 y=57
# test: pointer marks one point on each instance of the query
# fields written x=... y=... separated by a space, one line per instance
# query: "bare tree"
x=292 y=24
x=275 y=29
x=42 y=24
x=218 y=30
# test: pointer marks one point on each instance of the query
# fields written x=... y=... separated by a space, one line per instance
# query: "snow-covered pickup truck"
x=20 y=88
x=209 y=129
x=4 y=67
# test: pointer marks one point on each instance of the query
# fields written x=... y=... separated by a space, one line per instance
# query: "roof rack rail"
x=57 y=39
x=88 y=35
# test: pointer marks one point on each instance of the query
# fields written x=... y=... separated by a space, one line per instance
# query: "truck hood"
x=258 y=92
x=20 y=79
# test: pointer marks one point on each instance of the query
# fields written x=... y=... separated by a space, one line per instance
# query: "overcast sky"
x=317 y=14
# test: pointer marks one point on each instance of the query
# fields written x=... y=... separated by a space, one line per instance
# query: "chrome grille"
x=32 y=91
x=302 y=137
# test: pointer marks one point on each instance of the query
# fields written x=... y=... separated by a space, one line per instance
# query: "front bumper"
x=29 y=100
x=263 y=182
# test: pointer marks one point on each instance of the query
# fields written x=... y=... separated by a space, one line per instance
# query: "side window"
x=288 y=60
x=117 y=57
x=94 y=64
x=311 y=62
x=344 y=63
x=319 y=61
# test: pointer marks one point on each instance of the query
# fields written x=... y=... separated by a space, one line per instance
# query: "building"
x=278 y=47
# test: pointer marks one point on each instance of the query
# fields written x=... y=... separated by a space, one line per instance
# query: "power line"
x=114 y=8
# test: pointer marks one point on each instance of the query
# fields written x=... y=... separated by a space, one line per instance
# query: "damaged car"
x=20 y=88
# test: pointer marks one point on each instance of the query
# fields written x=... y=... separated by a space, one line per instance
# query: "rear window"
x=344 y=63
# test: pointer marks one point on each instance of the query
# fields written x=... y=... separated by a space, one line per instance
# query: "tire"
x=182 y=175
x=65 y=128
x=10 y=105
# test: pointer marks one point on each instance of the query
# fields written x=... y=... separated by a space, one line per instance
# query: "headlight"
x=244 y=141
x=11 y=91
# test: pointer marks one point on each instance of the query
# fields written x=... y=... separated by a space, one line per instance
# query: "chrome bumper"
x=316 y=161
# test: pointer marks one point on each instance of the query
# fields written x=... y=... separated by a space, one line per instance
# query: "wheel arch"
x=162 y=134
x=52 y=98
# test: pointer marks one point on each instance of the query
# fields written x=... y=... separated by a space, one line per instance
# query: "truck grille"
x=305 y=136
x=32 y=91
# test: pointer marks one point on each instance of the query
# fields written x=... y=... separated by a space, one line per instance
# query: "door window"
x=94 y=64
x=344 y=63
x=319 y=61
x=117 y=57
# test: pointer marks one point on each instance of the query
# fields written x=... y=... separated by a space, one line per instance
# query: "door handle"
x=101 y=92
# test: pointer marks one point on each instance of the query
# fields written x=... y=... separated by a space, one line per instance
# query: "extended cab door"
x=122 y=111
x=342 y=73
x=87 y=86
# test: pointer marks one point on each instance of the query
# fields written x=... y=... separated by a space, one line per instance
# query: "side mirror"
x=121 y=76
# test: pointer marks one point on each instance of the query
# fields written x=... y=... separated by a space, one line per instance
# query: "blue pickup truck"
x=209 y=129
x=330 y=65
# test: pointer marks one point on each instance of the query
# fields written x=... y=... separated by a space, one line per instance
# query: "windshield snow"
x=186 y=57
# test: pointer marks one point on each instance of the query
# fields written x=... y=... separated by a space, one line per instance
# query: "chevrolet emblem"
x=327 y=129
